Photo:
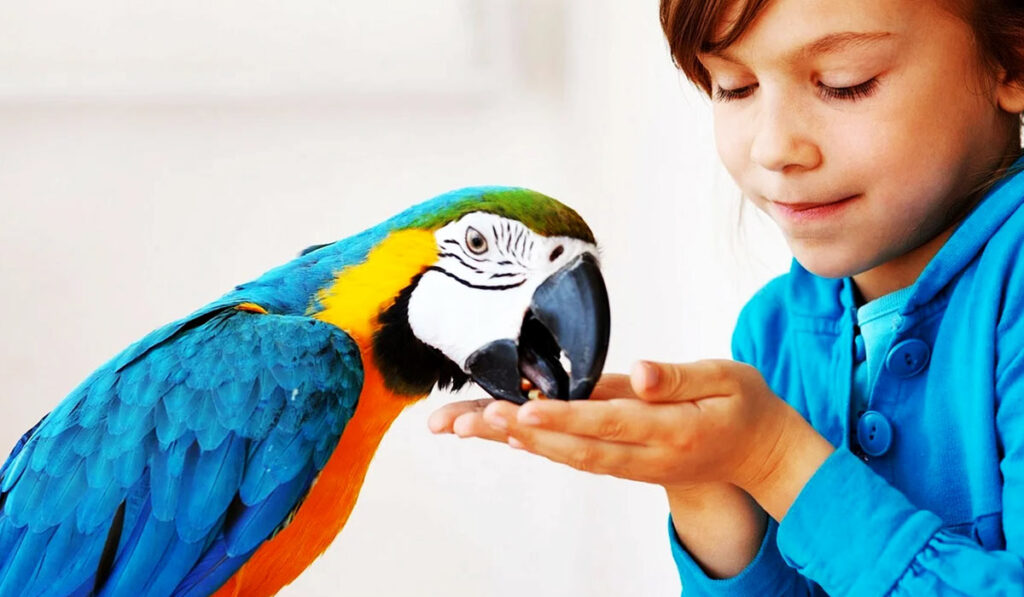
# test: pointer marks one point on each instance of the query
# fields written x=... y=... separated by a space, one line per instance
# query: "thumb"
x=674 y=382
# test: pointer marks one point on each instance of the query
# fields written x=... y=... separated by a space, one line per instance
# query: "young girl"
x=870 y=437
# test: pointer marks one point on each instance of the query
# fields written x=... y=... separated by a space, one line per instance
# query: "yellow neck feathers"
x=361 y=292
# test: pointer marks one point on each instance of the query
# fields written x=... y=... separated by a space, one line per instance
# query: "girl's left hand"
x=707 y=421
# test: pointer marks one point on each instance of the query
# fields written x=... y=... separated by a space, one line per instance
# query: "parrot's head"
x=494 y=284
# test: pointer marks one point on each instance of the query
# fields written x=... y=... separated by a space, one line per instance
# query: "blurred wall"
x=154 y=154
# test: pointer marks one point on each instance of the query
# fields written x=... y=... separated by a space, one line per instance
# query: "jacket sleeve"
x=768 y=574
x=880 y=544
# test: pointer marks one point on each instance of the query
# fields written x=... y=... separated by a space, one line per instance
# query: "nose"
x=782 y=138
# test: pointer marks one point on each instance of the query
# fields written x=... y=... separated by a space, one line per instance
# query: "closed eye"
x=851 y=93
x=724 y=95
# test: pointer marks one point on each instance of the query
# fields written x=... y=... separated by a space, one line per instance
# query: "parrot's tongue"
x=541 y=361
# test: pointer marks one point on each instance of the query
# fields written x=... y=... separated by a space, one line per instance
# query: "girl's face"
x=860 y=128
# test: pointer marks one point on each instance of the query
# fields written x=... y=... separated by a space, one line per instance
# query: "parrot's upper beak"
x=562 y=343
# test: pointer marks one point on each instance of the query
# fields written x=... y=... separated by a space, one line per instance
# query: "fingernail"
x=497 y=421
x=648 y=375
x=513 y=442
x=529 y=417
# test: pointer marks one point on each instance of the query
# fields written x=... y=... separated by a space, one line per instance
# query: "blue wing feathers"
x=165 y=483
x=257 y=521
x=20 y=570
x=210 y=433
x=210 y=572
x=98 y=506
x=212 y=485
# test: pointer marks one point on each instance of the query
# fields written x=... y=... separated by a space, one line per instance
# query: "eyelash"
x=852 y=93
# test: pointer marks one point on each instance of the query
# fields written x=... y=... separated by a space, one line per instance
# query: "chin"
x=826 y=266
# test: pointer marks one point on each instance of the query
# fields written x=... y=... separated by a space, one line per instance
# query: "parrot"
x=222 y=453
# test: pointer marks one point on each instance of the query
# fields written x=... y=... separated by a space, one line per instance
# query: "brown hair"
x=690 y=26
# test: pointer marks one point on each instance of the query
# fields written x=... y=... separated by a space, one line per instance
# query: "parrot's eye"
x=476 y=242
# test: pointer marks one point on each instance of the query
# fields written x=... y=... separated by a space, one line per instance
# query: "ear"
x=1010 y=94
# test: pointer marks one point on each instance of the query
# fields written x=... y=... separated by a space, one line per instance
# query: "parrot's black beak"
x=562 y=344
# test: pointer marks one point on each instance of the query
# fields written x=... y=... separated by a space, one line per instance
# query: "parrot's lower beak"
x=562 y=343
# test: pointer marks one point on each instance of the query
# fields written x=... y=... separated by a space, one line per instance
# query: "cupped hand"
x=465 y=418
x=670 y=424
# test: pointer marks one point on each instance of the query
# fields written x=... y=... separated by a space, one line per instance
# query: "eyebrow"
x=828 y=44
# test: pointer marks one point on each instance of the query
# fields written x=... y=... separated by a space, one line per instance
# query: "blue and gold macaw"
x=222 y=453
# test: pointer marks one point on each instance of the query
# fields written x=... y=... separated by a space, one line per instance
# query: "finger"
x=619 y=419
x=442 y=419
x=675 y=382
x=472 y=424
x=501 y=414
x=588 y=454
x=613 y=385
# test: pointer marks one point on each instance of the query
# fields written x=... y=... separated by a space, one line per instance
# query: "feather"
x=178 y=402
x=209 y=488
x=168 y=429
x=10 y=537
x=215 y=568
x=98 y=505
x=25 y=557
x=141 y=554
x=21 y=500
x=130 y=464
x=234 y=401
x=98 y=470
x=14 y=467
x=164 y=484
x=63 y=495
x=60 y=574
x=124 y=416
x=211 y=437
x=256 y=522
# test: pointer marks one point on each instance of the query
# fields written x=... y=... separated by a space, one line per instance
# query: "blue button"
x=874 y=433
x=908 y=358
x=859 y=353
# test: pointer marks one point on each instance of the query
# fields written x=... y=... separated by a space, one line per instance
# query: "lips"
x=806 y=211
x=805 y=205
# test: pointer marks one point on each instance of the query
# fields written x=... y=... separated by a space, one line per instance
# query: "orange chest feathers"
x=353 y=303
x=329 y=502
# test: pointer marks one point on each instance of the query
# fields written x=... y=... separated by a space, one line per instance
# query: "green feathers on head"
x=542 y=214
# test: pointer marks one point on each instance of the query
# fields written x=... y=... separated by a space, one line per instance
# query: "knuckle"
x=676 y=378
x=717 y=371
x=583 y=458
x=612 y=428
x=681 y=441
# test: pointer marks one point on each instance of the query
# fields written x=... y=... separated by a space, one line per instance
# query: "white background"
x=152 y=155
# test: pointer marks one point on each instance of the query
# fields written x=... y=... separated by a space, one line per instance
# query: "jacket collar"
x=970 y=236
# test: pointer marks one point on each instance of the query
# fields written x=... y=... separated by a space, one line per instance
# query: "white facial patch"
x=483 y=282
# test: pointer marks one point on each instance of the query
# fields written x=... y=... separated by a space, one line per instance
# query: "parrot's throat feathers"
x=369 y=302
x=360 y=293
x=410 y=366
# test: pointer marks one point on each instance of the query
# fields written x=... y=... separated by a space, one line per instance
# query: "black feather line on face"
x=408 y=365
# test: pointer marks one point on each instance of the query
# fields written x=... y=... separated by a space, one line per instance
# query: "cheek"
x=732 y=141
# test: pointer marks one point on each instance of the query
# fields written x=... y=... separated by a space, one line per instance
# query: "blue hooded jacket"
x=928 y=497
